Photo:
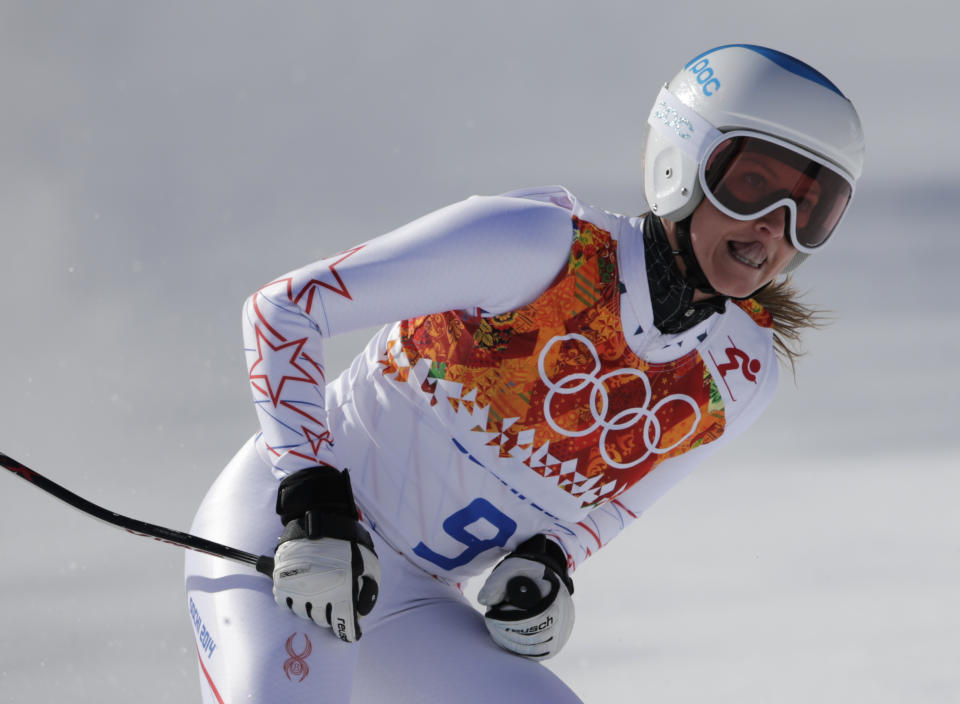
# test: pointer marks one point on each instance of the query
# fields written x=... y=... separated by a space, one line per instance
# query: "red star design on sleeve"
x=340 y=288
x=317 y=440
x=282 y=287
x=279 y=366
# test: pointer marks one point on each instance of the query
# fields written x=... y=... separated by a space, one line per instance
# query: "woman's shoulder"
x=557 y=195
x=562 y=198
x=740 y=355
x=755 y=311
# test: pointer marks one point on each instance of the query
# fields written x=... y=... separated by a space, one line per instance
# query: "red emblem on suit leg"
x=296 y=664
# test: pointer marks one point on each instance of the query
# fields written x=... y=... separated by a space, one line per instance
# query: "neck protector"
x=671 y=294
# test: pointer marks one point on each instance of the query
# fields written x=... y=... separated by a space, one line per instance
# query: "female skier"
x=545 y=372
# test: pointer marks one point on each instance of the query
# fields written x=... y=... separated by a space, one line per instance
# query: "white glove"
x=325 y=567
x=529 y=598
x=327 y=581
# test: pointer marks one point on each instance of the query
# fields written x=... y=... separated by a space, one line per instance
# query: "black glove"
x=325 y=569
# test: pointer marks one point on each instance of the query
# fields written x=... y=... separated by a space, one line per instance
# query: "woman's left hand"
x=530 y=609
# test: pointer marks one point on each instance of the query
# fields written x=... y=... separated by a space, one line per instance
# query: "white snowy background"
x=159 y=161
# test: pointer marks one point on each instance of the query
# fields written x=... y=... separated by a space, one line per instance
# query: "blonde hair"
x=791 y=317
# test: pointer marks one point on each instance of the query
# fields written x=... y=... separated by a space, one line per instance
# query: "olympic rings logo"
x=599 y=405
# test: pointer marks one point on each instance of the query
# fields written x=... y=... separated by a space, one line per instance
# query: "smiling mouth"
x=752 y=254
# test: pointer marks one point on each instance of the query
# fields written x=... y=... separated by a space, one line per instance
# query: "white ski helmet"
x=748 y=91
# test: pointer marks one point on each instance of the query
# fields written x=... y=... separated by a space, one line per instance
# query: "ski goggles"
x=747 y=175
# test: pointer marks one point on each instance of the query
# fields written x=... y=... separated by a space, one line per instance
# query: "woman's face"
x=738 y=257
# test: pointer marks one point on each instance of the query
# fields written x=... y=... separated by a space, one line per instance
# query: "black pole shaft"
x=262 y=563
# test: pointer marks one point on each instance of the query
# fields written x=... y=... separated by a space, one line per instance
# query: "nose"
x=773 y=225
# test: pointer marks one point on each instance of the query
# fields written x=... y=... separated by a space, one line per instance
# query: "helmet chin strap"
x=694 y=274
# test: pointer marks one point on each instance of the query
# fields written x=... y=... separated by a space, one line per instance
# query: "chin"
x=739 y=282
x=744 y=292
x=738 y=289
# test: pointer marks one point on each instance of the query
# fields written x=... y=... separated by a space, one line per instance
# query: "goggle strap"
x=686 y=129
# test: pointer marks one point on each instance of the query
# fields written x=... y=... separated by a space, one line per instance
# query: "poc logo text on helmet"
x=704 y=73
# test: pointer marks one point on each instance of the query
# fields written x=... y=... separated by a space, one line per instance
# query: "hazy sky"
x=159 y=161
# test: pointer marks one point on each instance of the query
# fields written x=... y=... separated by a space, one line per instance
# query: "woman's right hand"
x=325 y=568
x=329 y=581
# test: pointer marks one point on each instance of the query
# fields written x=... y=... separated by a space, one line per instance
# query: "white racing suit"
x=524 y=390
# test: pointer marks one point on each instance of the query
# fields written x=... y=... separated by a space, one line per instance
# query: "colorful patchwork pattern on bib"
x=558 y=386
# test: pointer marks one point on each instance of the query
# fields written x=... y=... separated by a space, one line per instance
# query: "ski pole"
x=262 y=563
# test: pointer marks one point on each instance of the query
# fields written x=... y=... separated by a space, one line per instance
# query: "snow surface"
x=162 y=161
